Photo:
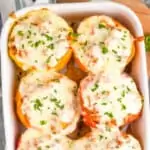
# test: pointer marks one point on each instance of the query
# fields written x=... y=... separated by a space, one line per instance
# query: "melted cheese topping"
x=33 y=140
x=49 y=102
x=127 y=142
x=40 y=40
x=113 y=98
x=96 y=140
x=101 y=44
x=107 y=140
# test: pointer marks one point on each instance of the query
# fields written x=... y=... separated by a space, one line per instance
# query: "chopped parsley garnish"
x=124 y=47
x=103 y=103
x=29 y=32
x=73 y=34
x=36 y=61
x=47 y=146
x=57 y=103
x=123 y=107
x=101 y=137
x=124 y=36
x=37 y=104
x=45 y=97
x=147 y=42
x=104 y=50
x=128 y=89
x=119 y=100
x=29 y=42
x=48 y=59
x=115 y=88
x=37 y=43
x=54 y=113
x=123 y=93
x=55 y=90
x=43 y=122
x=125 y=31
x=39 y=148
x=104 y=92
x=22 y=45
x=109 y=114
x=119 y=58
x=115 y=52
x=51 y=46
x=49 y=38
x=20 y=33
x=122 y=39
x=95 y=87
x=101 y=25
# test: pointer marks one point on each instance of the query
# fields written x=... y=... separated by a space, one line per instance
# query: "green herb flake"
x=118 y=58
x=47 y=146
x=49 y=38
x=114 y=51
x=95 y=87
x=123 y=107
x=45 y=97
x=73 y=34
x=36 y=61
x=22 y=46
x=29 y=32
x=109 y=114
x=20 y=33
x=125 y=31
x=43 y=122
x=104 y=103
x=37 y=104
x=29 y=42
x=51 y=46
x=101 y=137
x=115 y=88
x=104 y=92
x=48 y=59
x=124 y=47
x=57 y=103
x=101 y=25
x=37 y=43
x=128 y=89
x=123 y=39
x=104 y=50
x=39 y=148
x=147 y=43
x=119 y=100
x=55 y=90
x=124 y=35
x=54 y=113
x=123 y=93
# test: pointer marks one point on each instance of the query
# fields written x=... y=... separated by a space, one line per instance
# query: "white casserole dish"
x=77 y=11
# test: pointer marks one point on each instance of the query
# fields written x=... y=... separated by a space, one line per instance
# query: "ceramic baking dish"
x=73 y=12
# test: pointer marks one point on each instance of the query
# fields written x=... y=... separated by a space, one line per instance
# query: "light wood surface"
x=141 y=10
